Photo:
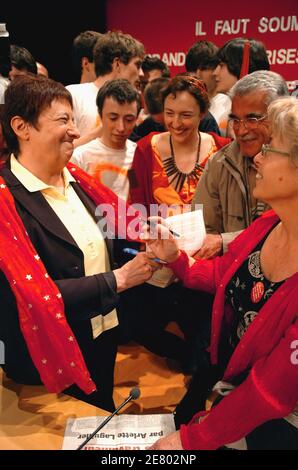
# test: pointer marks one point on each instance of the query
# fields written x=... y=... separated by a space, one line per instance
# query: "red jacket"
x=270 y=391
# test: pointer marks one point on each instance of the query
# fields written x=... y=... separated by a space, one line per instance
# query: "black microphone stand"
x=131 y=397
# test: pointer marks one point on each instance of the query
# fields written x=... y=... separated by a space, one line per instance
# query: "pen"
x=153 y=224
x=132 y=251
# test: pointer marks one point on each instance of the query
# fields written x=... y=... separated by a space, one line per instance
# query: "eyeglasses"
x=265 y=149
x=249 y=123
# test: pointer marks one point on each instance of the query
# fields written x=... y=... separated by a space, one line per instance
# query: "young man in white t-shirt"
x=109 y=157
x=82 y=55
x=116 y=55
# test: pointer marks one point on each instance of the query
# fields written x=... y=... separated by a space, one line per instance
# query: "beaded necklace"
x=175 y=176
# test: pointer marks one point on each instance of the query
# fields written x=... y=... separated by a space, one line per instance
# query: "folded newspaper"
x=191 y=229
x=123 y=432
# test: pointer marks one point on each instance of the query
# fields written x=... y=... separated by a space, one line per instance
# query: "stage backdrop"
x=169 y=27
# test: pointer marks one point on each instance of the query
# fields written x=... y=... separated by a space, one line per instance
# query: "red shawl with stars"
x=51 y=343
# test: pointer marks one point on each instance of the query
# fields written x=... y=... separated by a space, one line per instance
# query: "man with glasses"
x=226 y=186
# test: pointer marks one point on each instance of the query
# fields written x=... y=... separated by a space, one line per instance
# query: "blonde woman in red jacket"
x=254 y=337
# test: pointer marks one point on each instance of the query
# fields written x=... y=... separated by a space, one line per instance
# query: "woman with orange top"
x=165 y=171
x=167 y=166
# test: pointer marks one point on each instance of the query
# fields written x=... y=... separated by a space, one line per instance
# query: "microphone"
x=133 y=395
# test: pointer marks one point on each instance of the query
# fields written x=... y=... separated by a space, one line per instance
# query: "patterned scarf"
x=51 y=343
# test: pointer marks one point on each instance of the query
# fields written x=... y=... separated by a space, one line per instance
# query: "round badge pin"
x=257 y=292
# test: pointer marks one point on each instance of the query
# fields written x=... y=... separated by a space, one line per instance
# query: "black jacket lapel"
x=38 y=207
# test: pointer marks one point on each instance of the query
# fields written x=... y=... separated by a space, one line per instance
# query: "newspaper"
x=192 y=232
x=123 y=432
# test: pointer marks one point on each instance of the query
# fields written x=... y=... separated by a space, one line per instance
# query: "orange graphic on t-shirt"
x=96 y=173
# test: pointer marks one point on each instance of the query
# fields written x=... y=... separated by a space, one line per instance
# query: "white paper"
x=191 y=228
x=123 y=432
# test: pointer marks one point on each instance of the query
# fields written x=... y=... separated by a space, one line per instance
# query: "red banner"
x=168 y=28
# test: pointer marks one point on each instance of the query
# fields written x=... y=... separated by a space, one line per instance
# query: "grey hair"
x=261 y=80
x=283 y=118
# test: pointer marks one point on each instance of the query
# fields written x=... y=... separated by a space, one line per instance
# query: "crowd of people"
x=81 y=168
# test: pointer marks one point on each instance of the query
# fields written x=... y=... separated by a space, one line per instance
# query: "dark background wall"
x=47 y=30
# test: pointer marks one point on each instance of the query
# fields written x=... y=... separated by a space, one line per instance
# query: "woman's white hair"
x=283 y=118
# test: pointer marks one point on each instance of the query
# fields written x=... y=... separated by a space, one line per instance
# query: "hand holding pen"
x=162 y=241
x=136 y=271
x=152 y=225
x=133 y=252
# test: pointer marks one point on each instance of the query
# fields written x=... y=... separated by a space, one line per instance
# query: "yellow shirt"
x=71 y=211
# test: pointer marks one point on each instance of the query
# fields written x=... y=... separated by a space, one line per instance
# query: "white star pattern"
x=44 y=361
x=72 y=364
x=46 y=275
x=2 y=186
x=46 y=297
x=36 y=257
x=59 y=315
x=14 y=281
x=35 y=328
x=70 y=338
x=29 y=306
x=59 y=371
x=15 y=238
x=28 y=277
x=59 y=296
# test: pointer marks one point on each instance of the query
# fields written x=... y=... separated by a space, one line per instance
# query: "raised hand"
x=136 y=271
x=211 y=247
x=160 y=240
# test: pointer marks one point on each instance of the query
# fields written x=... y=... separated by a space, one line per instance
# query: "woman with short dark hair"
x=58 y=288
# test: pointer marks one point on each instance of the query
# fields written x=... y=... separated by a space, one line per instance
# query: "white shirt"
x=220 y=108
x=4 y=82
x=84 y=106
x=109 y=166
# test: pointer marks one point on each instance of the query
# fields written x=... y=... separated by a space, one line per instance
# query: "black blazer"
x=84 y=296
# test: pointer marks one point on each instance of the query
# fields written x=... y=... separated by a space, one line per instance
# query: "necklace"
x=175 y=176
